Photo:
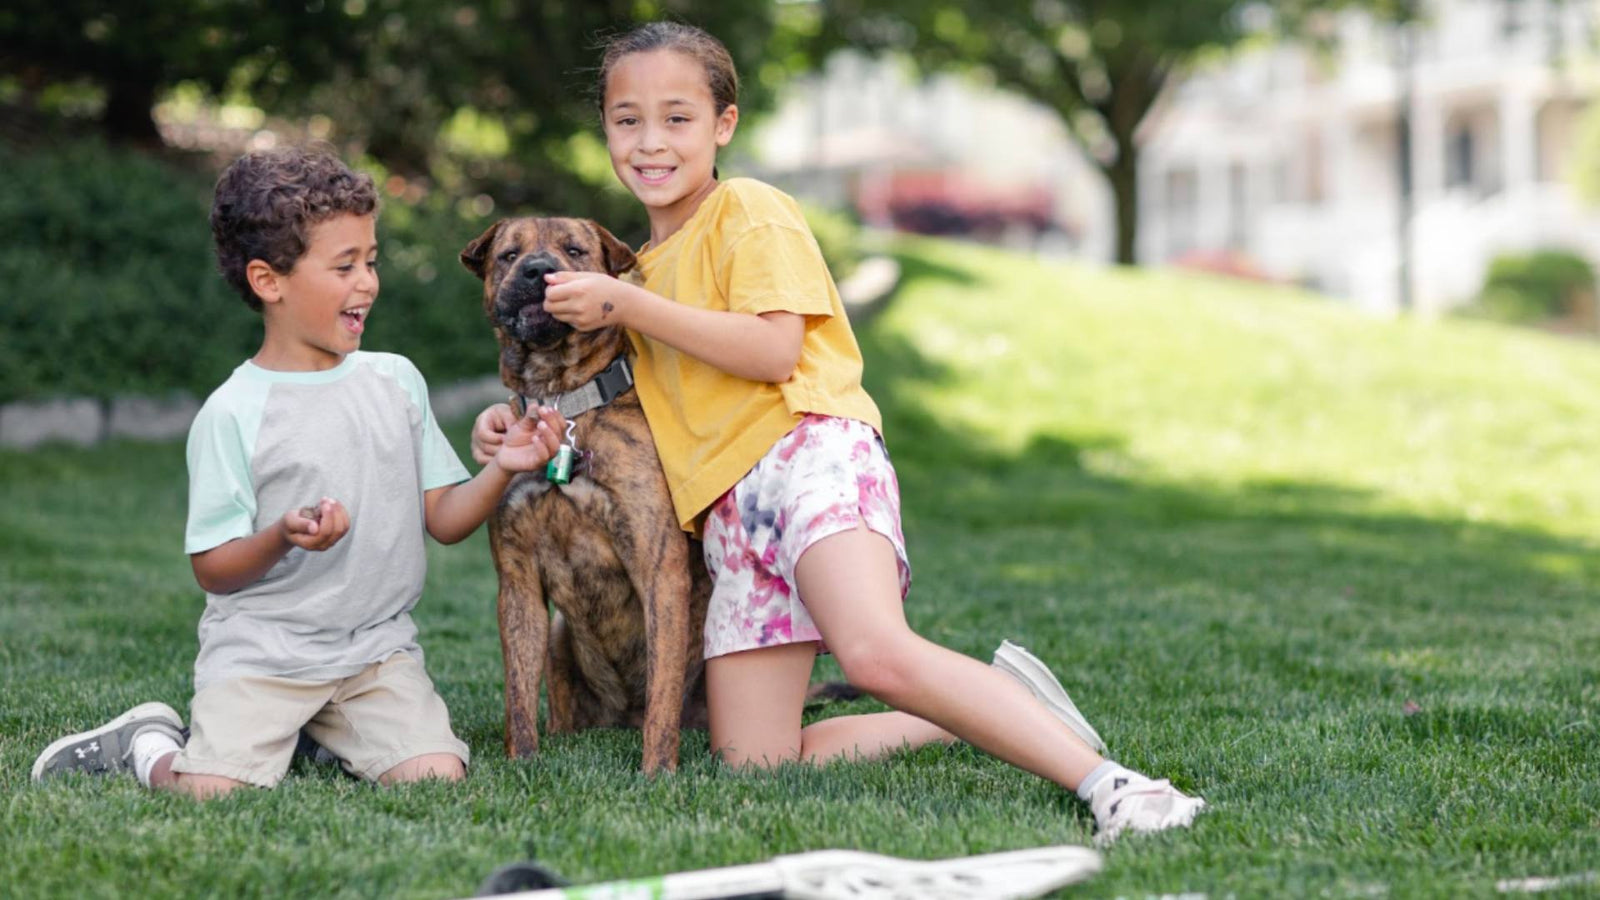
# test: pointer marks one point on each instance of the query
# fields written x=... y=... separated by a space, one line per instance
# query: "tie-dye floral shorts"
x=822 y=478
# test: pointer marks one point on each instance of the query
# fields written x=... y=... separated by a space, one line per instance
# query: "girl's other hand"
x=489 y=432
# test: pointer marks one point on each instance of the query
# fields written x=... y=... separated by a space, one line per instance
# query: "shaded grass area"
x=1337 y=575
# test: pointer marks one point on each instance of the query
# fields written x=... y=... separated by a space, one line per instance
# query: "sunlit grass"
x=1336 y=574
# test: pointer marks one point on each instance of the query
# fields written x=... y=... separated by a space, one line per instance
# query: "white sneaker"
x=1131 y=802
x=1041 y=682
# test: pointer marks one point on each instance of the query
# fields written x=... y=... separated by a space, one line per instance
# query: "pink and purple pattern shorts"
x=824 y=477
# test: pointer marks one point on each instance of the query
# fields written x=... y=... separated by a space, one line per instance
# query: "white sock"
x=1100 y=773
x=150 y=747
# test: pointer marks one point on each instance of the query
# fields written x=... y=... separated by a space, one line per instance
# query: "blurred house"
x=1284 y=162
x=942 y=156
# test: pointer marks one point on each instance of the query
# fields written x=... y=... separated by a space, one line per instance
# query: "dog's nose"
x=534 y=268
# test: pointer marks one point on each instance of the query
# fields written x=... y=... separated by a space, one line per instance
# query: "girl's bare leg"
x=756 y=698
x=850 y=584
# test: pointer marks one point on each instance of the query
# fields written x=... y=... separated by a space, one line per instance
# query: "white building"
x=1290 y=159
x=842 y=133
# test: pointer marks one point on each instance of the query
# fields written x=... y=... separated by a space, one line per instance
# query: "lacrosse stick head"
x=850 y=875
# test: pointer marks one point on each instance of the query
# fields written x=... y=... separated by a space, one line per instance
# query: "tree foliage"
x=134 y=49
x=475 y=95
x=487 y=92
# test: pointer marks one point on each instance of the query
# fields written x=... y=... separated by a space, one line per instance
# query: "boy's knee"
x=202 y=787
x=443 y=766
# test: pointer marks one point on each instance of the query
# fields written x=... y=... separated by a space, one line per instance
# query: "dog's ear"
x=619 y=258
x=476 y=255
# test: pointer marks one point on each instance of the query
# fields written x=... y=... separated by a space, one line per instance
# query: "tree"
x=1100 y=64
x=474 y=95
x=134 y=50
x=499 y=96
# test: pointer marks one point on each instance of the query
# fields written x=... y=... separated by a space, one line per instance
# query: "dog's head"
x=513 y=257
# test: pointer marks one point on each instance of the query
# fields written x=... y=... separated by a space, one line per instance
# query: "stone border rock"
x=84 y=421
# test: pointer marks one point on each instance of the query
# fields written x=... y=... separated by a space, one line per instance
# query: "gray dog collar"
x=592 y=394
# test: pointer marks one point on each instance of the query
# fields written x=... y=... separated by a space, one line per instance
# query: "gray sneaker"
x=1041 y=682
x=109 y=748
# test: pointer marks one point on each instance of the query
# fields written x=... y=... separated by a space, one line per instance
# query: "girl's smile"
x=654 y=176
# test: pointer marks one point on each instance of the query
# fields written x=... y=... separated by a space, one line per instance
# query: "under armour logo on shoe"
x=84 y=751
x=1117 y=783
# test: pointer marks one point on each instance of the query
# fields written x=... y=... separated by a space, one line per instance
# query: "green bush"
x=1533 y=287
x=838 y=236
x=109 y=284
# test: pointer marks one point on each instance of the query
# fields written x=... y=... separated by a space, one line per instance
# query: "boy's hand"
x=585 y=300
x=316 y=527
x=489 y=432
x=530 y=441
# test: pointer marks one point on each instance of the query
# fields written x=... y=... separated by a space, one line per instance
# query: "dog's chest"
x=533 y=496
x=580 y=550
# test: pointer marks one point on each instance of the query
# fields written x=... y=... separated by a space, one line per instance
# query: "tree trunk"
x=127 y=115
x=1123 y=173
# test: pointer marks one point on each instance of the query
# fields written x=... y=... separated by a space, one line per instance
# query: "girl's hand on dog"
x=530 y=442
x=585 y=300
x=489 y=432
x=316 y=527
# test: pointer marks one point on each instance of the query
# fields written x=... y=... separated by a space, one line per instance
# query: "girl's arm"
x=764 y=347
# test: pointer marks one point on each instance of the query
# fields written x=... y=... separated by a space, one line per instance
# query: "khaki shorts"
x=387 y=713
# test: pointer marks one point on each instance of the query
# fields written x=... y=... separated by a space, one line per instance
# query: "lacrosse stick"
x=845 y=875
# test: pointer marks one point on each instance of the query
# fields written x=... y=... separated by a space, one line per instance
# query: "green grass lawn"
x=1338 y=575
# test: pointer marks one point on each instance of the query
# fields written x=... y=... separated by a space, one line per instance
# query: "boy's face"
x=316 y=313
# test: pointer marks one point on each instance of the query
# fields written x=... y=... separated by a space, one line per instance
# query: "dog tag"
x=559 y=469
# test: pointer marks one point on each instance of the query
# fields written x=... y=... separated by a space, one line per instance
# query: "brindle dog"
x=628 y=586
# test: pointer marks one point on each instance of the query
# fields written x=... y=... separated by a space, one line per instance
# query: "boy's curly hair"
x=267 y=202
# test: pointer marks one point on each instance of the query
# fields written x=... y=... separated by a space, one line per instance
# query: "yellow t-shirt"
x=746 y=249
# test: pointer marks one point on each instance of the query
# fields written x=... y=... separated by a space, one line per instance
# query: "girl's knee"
x=443 y=766
x=883 y=668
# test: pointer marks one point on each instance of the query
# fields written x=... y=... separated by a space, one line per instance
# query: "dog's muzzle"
x=519 y=304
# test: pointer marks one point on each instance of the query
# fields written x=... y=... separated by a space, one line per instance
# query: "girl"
x=751 y=379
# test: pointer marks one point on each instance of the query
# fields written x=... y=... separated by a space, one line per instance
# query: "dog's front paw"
x=521 y=741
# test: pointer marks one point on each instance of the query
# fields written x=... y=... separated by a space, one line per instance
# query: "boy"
x=307 y=620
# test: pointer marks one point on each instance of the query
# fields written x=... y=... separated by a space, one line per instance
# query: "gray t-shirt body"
x=267 y=442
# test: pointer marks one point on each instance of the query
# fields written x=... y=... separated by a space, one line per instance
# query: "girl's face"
x=663 y=131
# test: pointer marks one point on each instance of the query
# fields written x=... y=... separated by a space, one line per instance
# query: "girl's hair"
x=686 y=39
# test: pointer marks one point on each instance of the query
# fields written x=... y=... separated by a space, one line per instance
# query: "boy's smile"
x=663 y=131
x=316 y=313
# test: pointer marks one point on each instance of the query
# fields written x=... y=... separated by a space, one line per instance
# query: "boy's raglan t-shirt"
x=747 y=248
x=266 y=442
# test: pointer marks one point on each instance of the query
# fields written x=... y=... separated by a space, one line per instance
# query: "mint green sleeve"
x=439 y=463
x=222 y=498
